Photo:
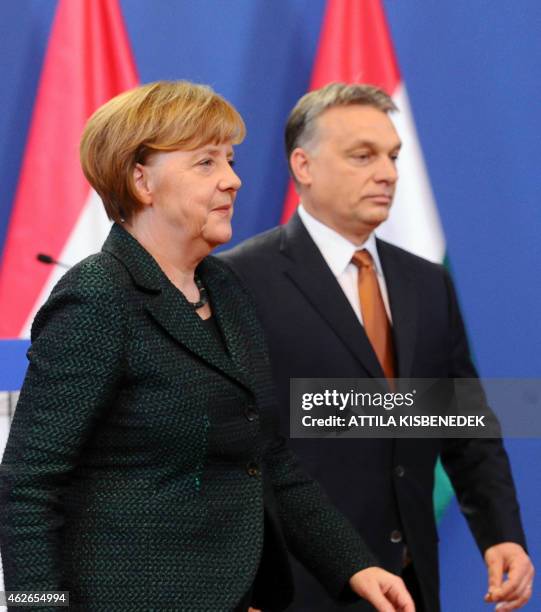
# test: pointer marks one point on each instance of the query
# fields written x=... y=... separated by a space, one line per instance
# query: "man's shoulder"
x=415 y=263
x=255 y=248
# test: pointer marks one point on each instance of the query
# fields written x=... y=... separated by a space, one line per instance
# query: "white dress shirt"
x=338 y=252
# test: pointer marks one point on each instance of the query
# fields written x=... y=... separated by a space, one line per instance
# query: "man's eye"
x=395 y=157
x=361 y=156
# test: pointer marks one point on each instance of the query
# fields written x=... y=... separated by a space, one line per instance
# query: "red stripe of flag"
x=355 y=46
x=88 y=61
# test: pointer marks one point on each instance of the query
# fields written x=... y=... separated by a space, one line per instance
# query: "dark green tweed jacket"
x=142 y=468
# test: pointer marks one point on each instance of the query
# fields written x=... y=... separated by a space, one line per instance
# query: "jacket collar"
x=170 y=309
x=140 y=264
x=309 y=272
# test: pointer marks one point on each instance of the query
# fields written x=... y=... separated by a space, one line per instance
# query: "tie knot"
x=363 y=259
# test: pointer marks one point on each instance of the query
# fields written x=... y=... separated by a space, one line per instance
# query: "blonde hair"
x=160 y=116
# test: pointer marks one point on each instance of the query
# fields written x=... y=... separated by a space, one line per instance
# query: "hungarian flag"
x=88 y=61
x=356 y=47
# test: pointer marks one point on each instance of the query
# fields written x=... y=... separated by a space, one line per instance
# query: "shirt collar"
x=337 y=250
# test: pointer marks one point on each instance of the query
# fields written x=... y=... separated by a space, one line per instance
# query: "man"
x=336 y=302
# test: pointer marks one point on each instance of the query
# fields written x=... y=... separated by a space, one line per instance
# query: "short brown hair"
x=160 y=116
x=301 y=123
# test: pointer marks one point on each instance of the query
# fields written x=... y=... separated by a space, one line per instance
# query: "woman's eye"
x=206 y=162
x=231 y=162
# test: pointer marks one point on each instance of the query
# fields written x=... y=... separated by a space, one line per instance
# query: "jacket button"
x=252 y=469
x=396 y=536
x=250 y=413
x=399 y=471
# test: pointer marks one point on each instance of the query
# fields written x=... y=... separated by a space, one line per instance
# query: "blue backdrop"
x=472 y=71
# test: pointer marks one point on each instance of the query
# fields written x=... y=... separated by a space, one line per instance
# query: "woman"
x=142 y=470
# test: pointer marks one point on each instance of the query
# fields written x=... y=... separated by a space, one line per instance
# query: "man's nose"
x=386 y=170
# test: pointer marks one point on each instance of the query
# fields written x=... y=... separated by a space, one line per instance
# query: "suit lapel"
x=309 y=272
x=168 y=307
x=403 y=302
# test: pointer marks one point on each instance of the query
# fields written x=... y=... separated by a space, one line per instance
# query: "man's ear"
x=142 y=184
x=299 y=161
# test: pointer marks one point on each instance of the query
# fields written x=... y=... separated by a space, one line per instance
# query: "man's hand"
x=385 y=591
x=511 y=559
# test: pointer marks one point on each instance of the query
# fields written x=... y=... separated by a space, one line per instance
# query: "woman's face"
x=190 y=192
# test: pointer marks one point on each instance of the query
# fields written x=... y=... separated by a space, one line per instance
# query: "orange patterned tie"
x=375 y=321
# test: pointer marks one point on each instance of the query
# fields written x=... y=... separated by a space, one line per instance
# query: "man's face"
x=348 y=174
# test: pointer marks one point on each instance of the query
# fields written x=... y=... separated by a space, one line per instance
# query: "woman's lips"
x=222 y=209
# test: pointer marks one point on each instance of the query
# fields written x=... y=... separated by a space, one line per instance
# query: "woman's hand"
x=385 y=591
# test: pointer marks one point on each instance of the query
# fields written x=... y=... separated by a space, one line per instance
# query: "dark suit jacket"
x=384 y=486
x=142 y=469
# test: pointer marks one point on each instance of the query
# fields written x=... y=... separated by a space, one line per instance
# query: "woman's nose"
x=230 y=179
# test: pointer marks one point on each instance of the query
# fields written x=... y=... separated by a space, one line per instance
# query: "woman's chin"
x=218 y=235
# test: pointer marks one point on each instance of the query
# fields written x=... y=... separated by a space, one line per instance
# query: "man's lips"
x=379 y=198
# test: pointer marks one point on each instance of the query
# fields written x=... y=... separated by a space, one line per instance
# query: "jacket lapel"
x=168 y=307
x=228 y=307
x=403 y=302
x=309 y=272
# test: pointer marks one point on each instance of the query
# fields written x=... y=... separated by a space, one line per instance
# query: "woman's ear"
x=142 y=184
